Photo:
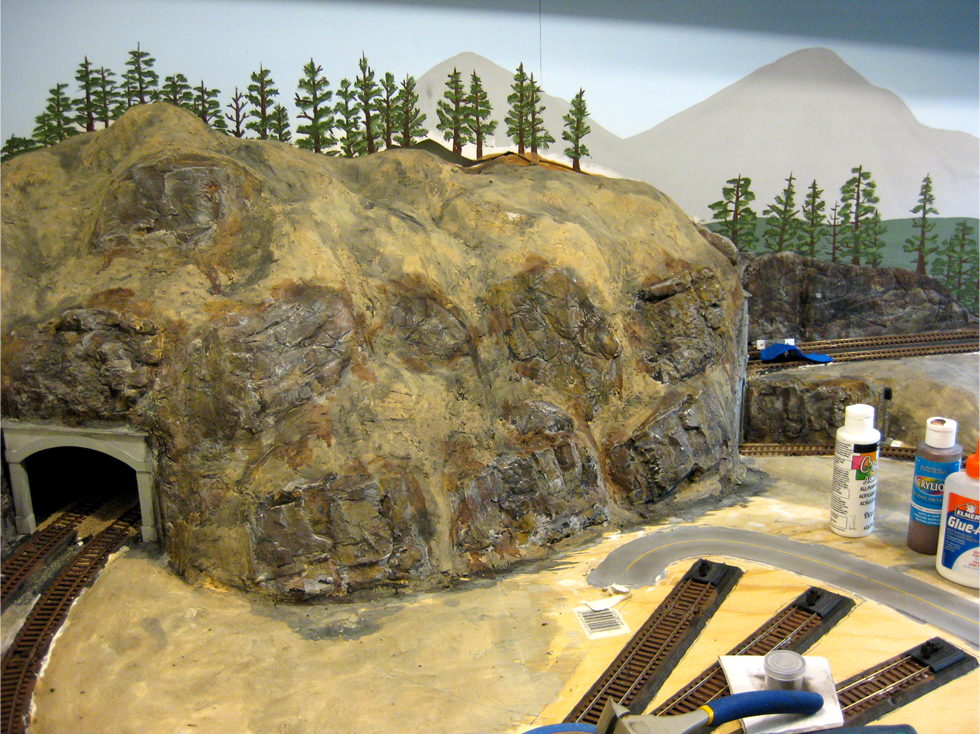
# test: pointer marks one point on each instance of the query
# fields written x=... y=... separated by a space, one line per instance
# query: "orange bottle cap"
x=973 y=463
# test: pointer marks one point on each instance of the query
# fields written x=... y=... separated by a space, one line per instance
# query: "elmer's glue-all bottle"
x=852 y=501
x=936 y=458
x=958 y=558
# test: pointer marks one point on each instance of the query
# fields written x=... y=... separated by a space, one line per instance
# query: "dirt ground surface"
x=143 y=652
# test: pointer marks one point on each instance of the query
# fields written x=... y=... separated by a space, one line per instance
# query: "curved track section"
x=23 y=659
x=35 y=552
x=642 y=561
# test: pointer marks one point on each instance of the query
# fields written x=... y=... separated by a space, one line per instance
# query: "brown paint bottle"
x=936 y=458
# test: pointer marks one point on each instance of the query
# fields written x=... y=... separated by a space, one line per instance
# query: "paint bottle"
x=958 y=558
x=936 y=458
x=852 y=501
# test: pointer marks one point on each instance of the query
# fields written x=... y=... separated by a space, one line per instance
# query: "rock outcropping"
x=382 y=371
x=811 y=300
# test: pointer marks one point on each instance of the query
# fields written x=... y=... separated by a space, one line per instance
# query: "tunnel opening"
x=60 y=477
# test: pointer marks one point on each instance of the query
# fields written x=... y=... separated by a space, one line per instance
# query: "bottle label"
x=928 y=480
x=852 y=503
x=961 y=550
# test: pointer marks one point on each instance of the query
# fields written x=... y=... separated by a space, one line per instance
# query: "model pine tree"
x=874 y=242
x=539 y=136
x=85 y=105
x=923 y=244
x=348 y=120
x=238 y=114
x=139 y=81
x=858 y=201
x=261 y=96
x=177 y=91
x=813 y=228
x=453 y=112
x=957 y=265
x=480 y=124
x=836 y=227
x=107 y=102
x=387 y=109
x=781 y=227
x=56 y=123
x=367 y=96
x=734 y=212
x=408 y=116
x=15 y=145
x=576 y=128
x=315 y=105
x=279 y=124
x=518 y=119
x=206 y=106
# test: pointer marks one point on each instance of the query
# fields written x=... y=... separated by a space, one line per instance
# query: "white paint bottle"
x=852 y=501
x=958 y=555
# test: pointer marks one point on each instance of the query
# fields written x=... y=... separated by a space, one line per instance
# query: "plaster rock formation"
x=810 y=300
x=806 y=404
x=386 y=371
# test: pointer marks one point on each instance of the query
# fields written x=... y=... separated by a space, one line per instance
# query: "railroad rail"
x=796 y=627
x=637 y=673
x=879 y=347
x=903 y=453
x=871 y=694
x=22 y=661
x=35 y=552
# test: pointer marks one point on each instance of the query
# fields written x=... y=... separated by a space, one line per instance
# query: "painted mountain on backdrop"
x=808 y=113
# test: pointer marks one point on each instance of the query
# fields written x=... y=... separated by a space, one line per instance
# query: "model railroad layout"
x=634 y=678
x=636 y=675
x=23 y=659
x=878 y=347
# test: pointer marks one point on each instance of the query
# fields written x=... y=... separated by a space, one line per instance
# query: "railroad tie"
x=795 y=627
x=871 y=694
x=641 y=668
x=23 y=658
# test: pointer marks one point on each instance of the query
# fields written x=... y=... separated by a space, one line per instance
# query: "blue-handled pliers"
x=616 y=719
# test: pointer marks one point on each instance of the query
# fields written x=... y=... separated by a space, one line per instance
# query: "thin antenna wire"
x=540 y=54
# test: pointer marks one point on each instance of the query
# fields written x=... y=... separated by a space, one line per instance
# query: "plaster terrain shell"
x=814 y=300
x=386 y=371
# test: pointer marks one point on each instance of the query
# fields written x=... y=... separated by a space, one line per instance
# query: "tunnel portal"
x=52 y=465
x=60 y=476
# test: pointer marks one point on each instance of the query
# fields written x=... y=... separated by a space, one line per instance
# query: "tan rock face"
x=380 y=371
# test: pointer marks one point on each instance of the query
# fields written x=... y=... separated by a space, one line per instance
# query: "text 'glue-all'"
x=852 y=501
x=958 y=557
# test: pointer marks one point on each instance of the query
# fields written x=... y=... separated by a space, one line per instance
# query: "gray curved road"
x=642 y=561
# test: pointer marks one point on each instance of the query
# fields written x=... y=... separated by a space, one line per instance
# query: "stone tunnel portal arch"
x=130 y=447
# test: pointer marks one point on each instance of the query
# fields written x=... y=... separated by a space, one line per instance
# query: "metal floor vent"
x=602 y=623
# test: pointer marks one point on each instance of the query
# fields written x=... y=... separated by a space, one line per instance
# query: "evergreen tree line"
x=360 y=117
x=852 y=230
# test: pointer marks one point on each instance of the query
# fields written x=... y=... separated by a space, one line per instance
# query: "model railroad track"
x=796 y=627
x=637 y=673
x=33 y=553
x=23 y=659
x=875 y=692
x=905 y=453
x=879 y=347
